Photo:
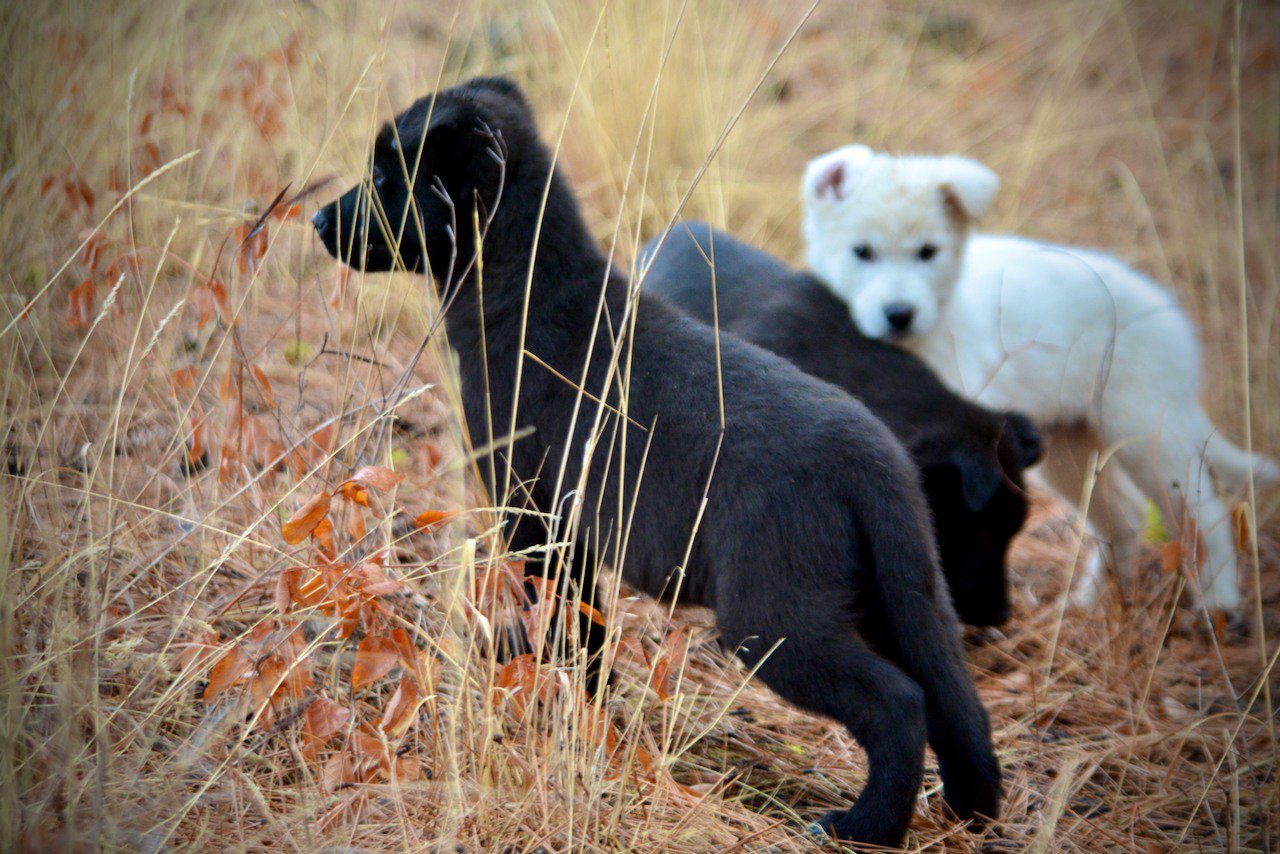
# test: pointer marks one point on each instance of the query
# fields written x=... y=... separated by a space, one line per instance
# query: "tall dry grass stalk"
x=139 y=138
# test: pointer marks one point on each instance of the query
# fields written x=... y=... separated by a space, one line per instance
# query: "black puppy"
x=812 y=536
x=971 y=459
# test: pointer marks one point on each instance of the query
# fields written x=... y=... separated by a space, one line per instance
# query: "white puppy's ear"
x=830 y=176
x=967 y=186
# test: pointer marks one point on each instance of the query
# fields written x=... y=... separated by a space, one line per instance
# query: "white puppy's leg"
x=1114 y=510
x=1170 y=467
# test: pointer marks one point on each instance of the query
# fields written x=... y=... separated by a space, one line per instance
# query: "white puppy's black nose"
x=899 y=315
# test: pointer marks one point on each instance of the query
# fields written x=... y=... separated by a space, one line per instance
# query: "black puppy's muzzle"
x=327 y=228
x=344 y=232
x=344 y=228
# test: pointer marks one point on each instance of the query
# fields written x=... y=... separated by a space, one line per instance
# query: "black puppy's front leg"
x=576 y=628
x=574 y=571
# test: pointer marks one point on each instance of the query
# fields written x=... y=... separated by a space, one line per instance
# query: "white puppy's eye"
x=928 y=251
x=863 y=252
x=379 y=178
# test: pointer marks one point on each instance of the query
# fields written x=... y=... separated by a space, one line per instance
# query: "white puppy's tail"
x=1231 y=465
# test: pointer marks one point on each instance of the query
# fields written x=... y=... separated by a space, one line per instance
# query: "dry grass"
x=1116 y=125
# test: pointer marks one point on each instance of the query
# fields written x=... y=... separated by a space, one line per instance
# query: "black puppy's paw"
x=859 y=826
x=972 y=794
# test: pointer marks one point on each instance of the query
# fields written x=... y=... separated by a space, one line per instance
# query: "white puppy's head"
x=887 y=233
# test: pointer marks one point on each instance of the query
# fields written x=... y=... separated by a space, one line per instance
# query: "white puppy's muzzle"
x=895 y=308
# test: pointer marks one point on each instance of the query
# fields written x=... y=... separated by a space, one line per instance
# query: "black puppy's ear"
x=978 y=476
x=1022 y=432
x=501 y=85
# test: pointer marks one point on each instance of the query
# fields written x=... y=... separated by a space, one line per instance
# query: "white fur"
x=1100 y=355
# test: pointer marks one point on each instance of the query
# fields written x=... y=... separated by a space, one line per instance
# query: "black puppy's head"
x=977 y=494
x=432 y=169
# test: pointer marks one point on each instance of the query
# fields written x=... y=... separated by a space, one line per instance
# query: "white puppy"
x=1099 y=354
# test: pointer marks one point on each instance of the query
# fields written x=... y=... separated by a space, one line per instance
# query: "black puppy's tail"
x=925 y=641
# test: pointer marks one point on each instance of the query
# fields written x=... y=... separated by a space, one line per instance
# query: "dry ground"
x=141 y=141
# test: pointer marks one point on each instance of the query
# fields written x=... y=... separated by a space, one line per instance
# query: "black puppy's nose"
x=899 y=315
x=320 y=219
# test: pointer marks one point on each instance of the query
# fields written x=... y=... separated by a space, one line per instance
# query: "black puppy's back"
x=971 y=459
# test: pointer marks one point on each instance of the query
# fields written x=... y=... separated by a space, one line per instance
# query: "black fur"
x=971 y=458
x=814 y=543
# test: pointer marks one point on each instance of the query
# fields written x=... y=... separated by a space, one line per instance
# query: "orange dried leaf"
x=379 y=477
x=325 y=718
x=402 y=708
x=83 y=192
x=95 y=244
x=1243 y=527
x=432 y=456
x=588 y=611
x=405 y=769
x=324 y=536
x=185 y=378
x=80 y=305
x=302 y=523
x=374 y=582
x=263 y=384
x=196 y=450
x=221 y=302
x=115 y=181
x=355 y=526
x=284 y=213
x=354 y=492
x=309 y=593
x=376 y=656
x=1171 y=556
x=339 y=770
x=149 y=160
x=232 y=669
x=672 y=656
x=430 y=518
x=519 y=677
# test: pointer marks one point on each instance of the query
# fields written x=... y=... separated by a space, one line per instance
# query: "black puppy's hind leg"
x=839 y=677
x=924 y=639
x=575 y=631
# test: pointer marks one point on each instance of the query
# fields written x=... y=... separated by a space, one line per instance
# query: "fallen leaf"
x=323 y=534
x=402 y=708
x=325 y=718
x=379 y=477
x=354 y=492
x=185 y=378
x=355 y=524
x=340 y=769
x=588 y=611
x=302 y=523
x=671 y=659
x=232 y=669
x=376 y=656
x=263 y=384
x=1243 y=527
x=429 y=518
x=80 y=305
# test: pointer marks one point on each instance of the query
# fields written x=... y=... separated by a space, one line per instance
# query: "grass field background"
x=182 y=389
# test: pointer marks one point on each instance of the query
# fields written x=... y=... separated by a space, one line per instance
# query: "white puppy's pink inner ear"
x=830 y=183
